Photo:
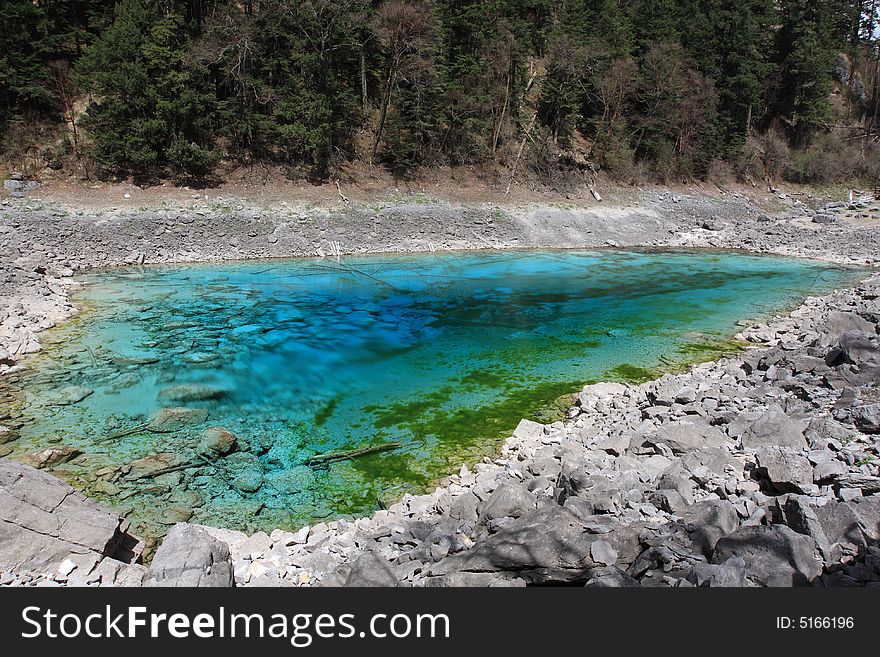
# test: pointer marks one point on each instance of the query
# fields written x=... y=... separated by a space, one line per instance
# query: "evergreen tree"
x=805 y=55
x=150 y=109
x=26 y=45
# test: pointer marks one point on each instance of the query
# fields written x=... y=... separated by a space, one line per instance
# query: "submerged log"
x=332 y=457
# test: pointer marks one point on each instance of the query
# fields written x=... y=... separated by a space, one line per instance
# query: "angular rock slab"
x=189 y=556
x=546 y=545
x=43 y=521
x=774 y=556
x=775 y=429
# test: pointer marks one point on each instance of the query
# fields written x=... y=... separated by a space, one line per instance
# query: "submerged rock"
x=190 y=392
x=52 y=456
x=244 y=471
x=68 y=395
x=217 y=441
x=167 y=420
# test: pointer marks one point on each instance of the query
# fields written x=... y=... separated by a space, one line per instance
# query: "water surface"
x=440 y=353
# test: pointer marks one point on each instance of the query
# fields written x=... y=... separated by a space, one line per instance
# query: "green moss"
x=630 y=373
x=325 y=412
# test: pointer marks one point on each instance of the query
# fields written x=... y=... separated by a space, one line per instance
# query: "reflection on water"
x=440 y=353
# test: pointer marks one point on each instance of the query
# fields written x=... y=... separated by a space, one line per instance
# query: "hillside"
x=551 y=95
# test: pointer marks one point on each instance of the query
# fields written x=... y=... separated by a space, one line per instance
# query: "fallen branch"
x=519 y=154
x=171 y=468
x=341 y=195
x=128 y=432
x=333 y=457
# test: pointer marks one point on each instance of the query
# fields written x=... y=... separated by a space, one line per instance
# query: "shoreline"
x=530 y=438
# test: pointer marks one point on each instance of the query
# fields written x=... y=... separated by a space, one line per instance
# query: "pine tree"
x=805 y=52
x=25 y=46
x=149 y=109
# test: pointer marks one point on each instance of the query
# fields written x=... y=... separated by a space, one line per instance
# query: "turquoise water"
x=440 y=353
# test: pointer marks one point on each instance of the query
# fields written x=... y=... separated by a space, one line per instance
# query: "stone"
x=688 y=436
x=507 y=500
x=800 y=516
x=527 y=430
x=867 y=418
x=774 y=555
x=839 y=322
x=168 y=420
x=67 y=396
x=244 y=471
x=669 y=500
x=786 y=470
x=707 y=522
x=611 y=577
x=602 y=552
x=217 y=441
x=858 y=347
x=827 y=470
x=868 y=484
x=711 y=462
x=371 y=570
x=546 y=545
x=465 y=507
x=616 y=444
x=52 y=456
x=190 y=392
x=867 y=512
x=152 y=463
x=730 y=574
x=45 y=521
x=775 y=429
x=189 y=556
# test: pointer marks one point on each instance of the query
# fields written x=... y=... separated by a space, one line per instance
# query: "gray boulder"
x=44 y=521
x=508 y=500
x=688 y=435
x=775 y=429
x=774 y=556
x=370 y=570
x=730 y=574
x=189 y=556
x=545 y=545
x=786 y=470
x=707 y=522
x=611 y=577
x=837 y=323
x=867 y=418
x=857 y=347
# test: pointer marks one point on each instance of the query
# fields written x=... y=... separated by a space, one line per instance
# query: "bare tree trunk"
x=496 y=133
x=519 y=154
x=386 y=99
x=363 y=59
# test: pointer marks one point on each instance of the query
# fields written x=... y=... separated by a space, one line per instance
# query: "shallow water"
x=441 y=353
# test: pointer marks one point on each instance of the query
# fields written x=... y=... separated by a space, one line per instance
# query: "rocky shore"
x=755 y=470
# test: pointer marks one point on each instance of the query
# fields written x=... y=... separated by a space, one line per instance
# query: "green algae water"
x=435 y=356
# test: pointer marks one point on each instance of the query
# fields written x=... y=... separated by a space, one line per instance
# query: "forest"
x=642 y=90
